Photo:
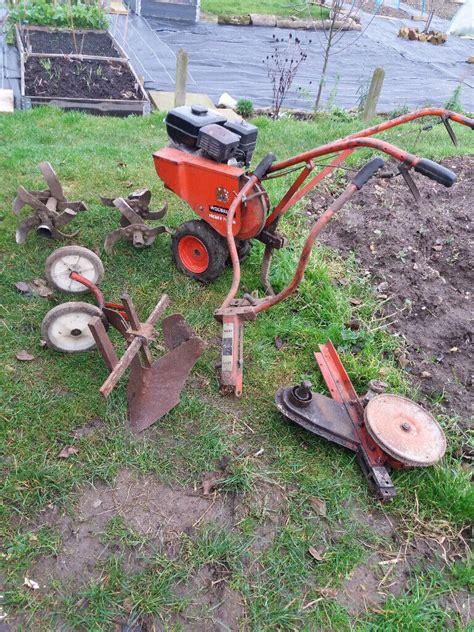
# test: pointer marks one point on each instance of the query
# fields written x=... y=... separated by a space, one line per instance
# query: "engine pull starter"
x=386 y=431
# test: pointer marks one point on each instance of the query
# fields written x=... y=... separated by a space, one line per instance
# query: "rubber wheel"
x=66 y=327
x=244 y=249
x=63 y=261
x=198 y=251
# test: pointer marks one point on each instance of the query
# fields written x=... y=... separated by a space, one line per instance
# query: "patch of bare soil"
x=421 y=259
x=212 y=605
x=65 y=43
x=89 y=79
x=149 y=507
x=388 y=570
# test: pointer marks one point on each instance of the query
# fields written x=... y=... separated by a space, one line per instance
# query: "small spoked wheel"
x=63 y=261
x=66 y=327
x=199 y=251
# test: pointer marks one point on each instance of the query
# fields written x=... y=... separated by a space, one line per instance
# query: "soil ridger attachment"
x=154 y=386
x=205 y=165
x=385 y=431
x=51 y=209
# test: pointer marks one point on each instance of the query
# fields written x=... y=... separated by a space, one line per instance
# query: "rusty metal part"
x=371 y=458
x=411 y=184
x=154 y=387
x=154 y=391
x=405 y=430
x=391 y=433
x=139 y=201
x=51 y=209
x=133 y=224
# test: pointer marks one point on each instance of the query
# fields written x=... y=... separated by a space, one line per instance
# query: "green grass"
x=298 y=8
x=45 y=401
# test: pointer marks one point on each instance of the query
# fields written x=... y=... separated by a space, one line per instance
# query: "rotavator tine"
x=157 y=214
x=28 y=198
x=111 y=239
x=52 y=180
x=24 y=228
x=127 y=211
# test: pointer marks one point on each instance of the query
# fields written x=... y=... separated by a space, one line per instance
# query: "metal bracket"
x=405 y=172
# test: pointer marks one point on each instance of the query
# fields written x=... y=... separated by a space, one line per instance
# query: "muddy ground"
x=162 y=516
x=65 y=77
x=420 y=257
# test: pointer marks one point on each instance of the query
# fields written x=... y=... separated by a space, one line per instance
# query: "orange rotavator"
x=206 y=164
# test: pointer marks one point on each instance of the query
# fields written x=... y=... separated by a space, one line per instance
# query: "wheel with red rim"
x=198 y=251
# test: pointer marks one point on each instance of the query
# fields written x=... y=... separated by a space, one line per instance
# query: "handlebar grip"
x=264 y=165
x=436 y=172
x=364 y=174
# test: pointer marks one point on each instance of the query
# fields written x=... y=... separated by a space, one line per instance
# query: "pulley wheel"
x=63 y=261
x=404 y=430
x=66 y=327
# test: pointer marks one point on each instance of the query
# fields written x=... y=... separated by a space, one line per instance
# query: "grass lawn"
x=297 y=8
x=257 y=557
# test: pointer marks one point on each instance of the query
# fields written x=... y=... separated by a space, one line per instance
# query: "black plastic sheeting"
x=230 y=59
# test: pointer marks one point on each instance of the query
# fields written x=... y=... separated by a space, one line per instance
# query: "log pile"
x=433 y=37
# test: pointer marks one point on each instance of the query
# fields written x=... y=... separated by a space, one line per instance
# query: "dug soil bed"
x=421 y=259
x=95 y=44
x=64 y=77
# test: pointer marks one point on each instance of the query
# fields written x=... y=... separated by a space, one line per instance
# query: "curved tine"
x=157 y=214
x=129 y=213
x=17 y=205
x=57 y=234
x=65 y=217
x=52 y=181
x=24 y=228
x=141 y=197
x=27 y=198
x=112 y=238
x=106 y=201
x=157 y=230
x=77 y=207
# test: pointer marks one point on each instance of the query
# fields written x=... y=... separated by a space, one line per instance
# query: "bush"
x=245 y=108
x=66 y=15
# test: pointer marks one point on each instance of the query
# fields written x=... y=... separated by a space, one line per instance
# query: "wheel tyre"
x=66 y=327
x=198 y=251
x=244 y=249
x=63 y=261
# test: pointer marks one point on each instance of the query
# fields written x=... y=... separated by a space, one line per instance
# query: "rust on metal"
x=51 y=210
x=405 y=430
x=133 y=213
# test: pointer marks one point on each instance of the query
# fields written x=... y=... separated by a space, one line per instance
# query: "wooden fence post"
x=370 y=107
x=181 y=77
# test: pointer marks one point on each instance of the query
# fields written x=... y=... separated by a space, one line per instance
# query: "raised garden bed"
x=82 y=70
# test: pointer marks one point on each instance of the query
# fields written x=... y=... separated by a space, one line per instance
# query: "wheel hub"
x=193 y=254
x=404 y=430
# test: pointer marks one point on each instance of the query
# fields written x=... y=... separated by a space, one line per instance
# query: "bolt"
x=405 y=426
x=302 y=393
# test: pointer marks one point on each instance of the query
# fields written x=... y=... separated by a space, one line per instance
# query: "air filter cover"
x=404 y=430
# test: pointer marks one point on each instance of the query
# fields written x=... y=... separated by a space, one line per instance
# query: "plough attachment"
x=51 y=209
x=134 y=211
x=154 y=387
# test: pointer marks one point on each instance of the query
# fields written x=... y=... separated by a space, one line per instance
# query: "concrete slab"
x=117 y=7
x=228 y=113
x=164 y=101
x=6 y=101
